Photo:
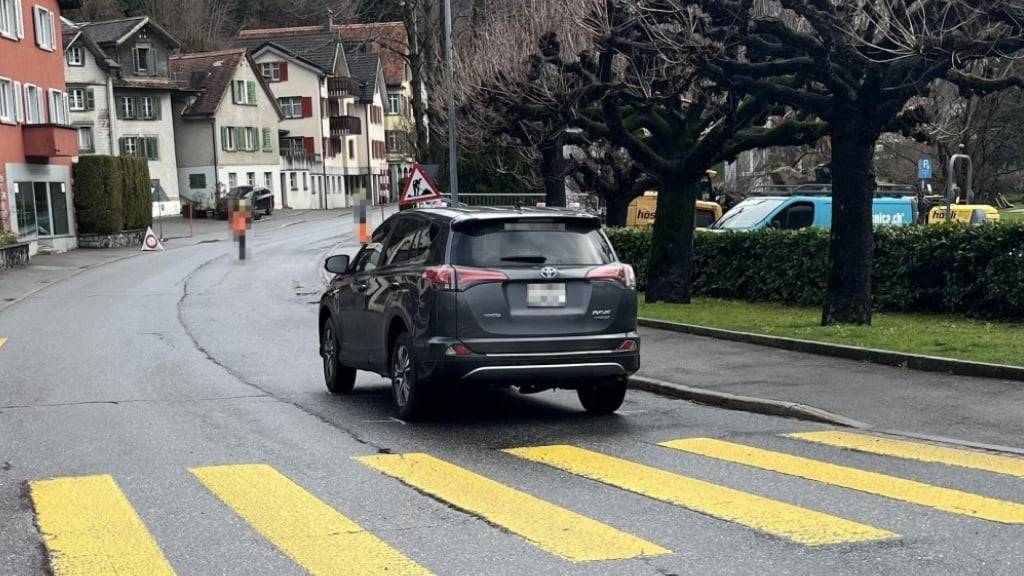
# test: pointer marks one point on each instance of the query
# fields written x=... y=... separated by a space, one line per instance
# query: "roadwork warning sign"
x=419 y=188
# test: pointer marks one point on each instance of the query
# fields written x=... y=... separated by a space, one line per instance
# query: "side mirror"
x=337 y=264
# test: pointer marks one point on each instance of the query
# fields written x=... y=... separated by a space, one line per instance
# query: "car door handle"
x=361 y=287
x=395 y=285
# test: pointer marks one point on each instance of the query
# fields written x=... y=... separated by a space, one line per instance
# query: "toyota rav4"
x=442 y=297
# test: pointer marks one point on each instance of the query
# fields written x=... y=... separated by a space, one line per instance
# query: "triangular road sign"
x=151 y=242
x=419 y=188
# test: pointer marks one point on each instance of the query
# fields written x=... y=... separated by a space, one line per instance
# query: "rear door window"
x=795 y=216
x=530 y=242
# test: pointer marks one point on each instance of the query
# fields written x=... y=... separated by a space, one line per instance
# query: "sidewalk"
x=45 y=269
x=976 y=409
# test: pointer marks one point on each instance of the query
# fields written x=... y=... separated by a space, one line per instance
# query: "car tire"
x=340 y=379
x=604 y=398
x=410 y=395
x=270 y=210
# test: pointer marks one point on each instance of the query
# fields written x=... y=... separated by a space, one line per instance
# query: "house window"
x=59 y=108
x=34 y=113
x=250 y=139
x=76 y=99
x=85 y=139
x=395 y=103
x=268 y=180
x=291 y=106
x=130 y=146
x=7 y=103
x=10 y=19
x=46 y=37
x=292 y=181
x=395 y=141
x=351 y=149
x=271 y=71
x=227 y=138
x=126 y=106
x=148 y=109
x=197 y=181
x=250 y=178
x=75 y=56
x=143 y=59
x=238 y=92
x=232 y=180
x=305 y=182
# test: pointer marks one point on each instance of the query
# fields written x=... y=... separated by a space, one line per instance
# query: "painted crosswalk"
x=90 y=527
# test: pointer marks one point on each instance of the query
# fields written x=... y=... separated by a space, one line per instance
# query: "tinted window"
x=400 y=249
x=704 y=218
x=497 y=244
x=795 y=216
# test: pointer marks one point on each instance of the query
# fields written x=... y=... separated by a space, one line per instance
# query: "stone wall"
x=13 y=255
x=126 y=239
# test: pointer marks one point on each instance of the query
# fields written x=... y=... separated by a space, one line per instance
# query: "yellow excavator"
x=956 y=207
x=641 y=210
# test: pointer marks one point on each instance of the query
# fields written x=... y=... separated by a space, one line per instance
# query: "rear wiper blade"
x=526 y=258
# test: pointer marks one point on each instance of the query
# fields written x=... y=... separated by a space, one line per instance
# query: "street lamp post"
x=453 y=146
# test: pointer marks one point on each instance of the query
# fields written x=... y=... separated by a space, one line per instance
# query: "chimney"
x=330 y=21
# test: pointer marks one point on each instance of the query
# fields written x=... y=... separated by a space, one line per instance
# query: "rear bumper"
x=561 y=369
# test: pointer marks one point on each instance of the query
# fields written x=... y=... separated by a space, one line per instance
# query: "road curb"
x=873 y=355
x=744 y=403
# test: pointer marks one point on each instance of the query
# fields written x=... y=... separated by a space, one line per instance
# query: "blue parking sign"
x=924 y=169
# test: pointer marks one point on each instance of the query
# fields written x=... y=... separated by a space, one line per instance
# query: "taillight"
x=617 y=271
x=461 y=277
x=458 y=350
x=627 y=346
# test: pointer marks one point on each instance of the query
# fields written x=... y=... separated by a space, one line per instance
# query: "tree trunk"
x=848 y=294
x=616 y=206
x=552 y=169
x=419 y=80
x=670 y=267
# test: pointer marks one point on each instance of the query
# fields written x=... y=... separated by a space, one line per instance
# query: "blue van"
x=795 y=212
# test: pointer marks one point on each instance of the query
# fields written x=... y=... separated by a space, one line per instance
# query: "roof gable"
x=117 y=32
x=211 y=74
x=311 y=43
x=388 y=39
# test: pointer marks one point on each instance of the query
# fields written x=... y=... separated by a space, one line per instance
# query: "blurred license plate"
x=545 y=295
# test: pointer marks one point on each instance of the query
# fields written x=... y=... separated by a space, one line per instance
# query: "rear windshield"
x=525 y=243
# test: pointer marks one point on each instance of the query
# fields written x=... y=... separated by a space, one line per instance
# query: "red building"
x=36 y=140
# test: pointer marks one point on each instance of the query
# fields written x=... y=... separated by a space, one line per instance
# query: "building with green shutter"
x=120 y=95
x=225 y=126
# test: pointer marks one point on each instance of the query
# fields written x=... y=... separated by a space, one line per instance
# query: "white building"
x=119 y=94
x=225 y=122
x=332 y=135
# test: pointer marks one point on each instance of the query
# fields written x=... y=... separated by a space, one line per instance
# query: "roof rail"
x=813 y=189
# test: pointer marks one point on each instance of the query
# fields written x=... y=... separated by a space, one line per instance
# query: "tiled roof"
x=111 y=31
x=146 y=83
x=388 y=39
x=71 y=33
x=363 y=67
x=208 y=72
x=311 y=43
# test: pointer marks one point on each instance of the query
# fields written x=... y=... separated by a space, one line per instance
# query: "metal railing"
x=297 y=159
x=881 y=189
x=346 y=126
x=475 y=199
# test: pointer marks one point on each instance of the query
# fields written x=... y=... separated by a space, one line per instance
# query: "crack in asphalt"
x=138 y=401
x=240 y=377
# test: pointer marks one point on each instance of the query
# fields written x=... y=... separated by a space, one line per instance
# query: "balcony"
x=346 y=126
x=343 y=87
x=298 y=159
x=49 y=141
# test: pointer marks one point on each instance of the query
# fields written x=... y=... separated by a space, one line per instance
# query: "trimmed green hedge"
x=976 y=270
x=112 y=194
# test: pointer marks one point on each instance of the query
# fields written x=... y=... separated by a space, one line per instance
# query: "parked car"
x=795 y=212
x=444 y=297
x=260 y=200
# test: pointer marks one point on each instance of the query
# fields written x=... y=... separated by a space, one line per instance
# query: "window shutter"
x=284 y=71
x=151 y=61
x=224 y=138
x=90 y=99
x=268 y=145
x=157 y=107
x=255 y=138
x=137 y=107
x=19 y=109
x=239 y=138
x=251 y=91
x=19 y=26
x=119 y=104
x=152 y=152
x=65 y=102
x=234 y=92
x=42 y=109
x=120 y=142
x=37 y=20
x=307 y=107
x=310 y=145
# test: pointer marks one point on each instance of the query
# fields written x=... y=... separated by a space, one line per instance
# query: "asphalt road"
x=194 y=383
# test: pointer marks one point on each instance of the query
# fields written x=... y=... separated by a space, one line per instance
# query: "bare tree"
x=861 y=65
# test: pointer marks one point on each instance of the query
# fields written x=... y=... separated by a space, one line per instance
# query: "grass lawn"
x=1013 y=214
x=934 y=335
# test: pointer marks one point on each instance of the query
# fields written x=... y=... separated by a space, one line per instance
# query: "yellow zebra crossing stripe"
x=549 y=527
x=302 y=526
x=778 y=518
x=901 y=489
x=916 y=451
x=90 y=528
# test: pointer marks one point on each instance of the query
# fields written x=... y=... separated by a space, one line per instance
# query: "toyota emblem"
x=548 y=272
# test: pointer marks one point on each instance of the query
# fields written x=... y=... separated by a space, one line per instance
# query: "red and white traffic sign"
x=419 y=188
x=151 y=242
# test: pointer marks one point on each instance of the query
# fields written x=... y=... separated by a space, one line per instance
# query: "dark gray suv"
x=442 y=297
